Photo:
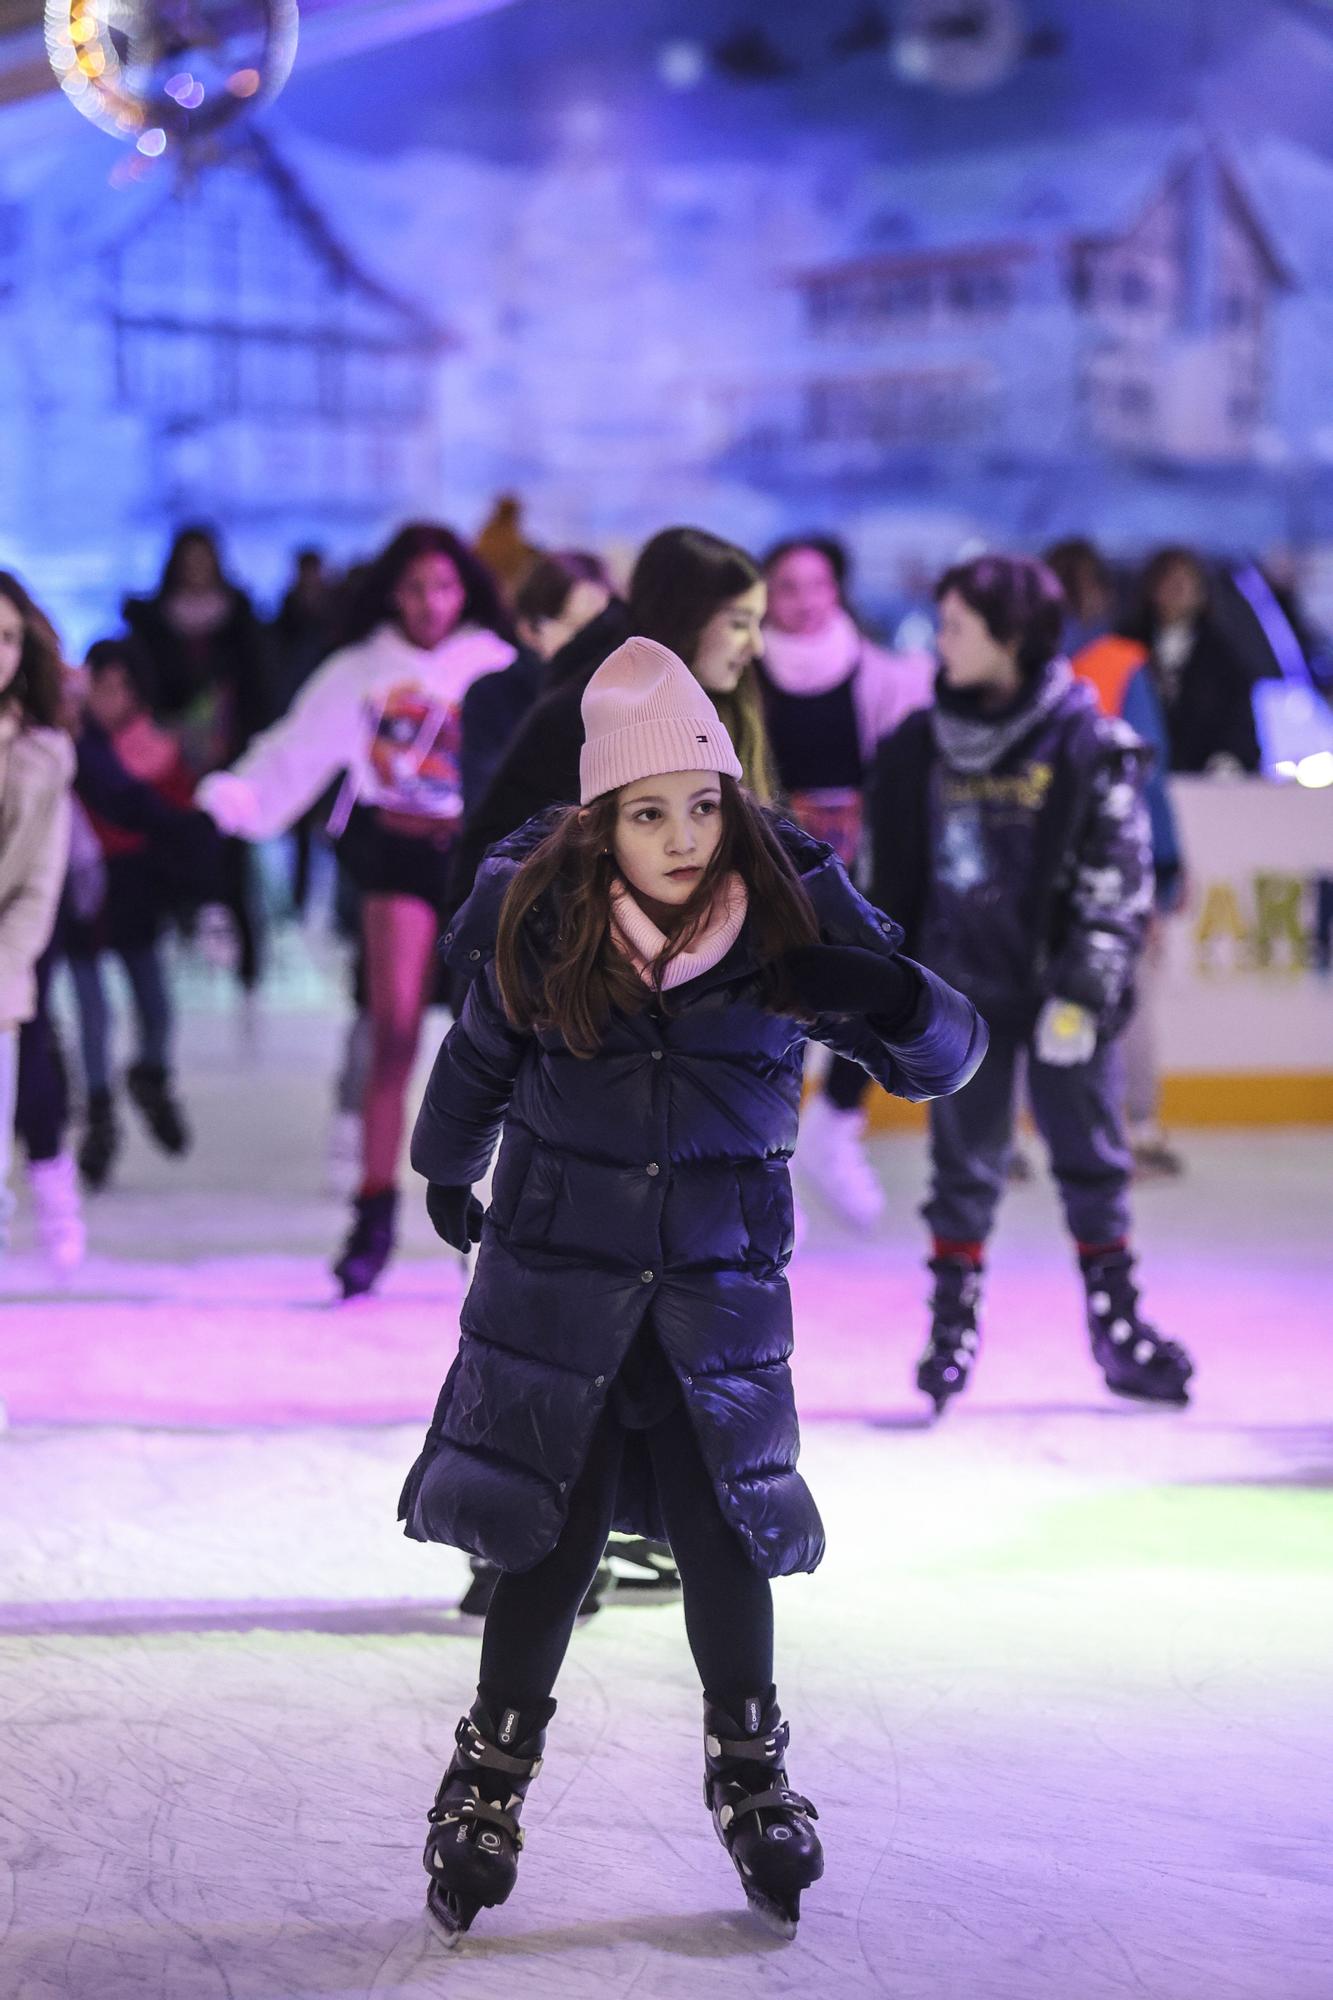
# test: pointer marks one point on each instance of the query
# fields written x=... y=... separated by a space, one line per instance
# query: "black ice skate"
x=370 y=1243
x=1132 y=1355
x=476 y=1599
x=475 y=1839
x=954 y=1337
x=100 y=1142
x=640 y=1572
x=764 y=1825
x=149 y=1087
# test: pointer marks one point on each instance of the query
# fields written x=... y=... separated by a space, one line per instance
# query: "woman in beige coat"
x=36 y=768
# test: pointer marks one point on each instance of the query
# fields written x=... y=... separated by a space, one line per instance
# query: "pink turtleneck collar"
x=634 y=932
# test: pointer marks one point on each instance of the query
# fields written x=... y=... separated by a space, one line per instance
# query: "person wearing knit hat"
x=643 y=714
x=646 y=968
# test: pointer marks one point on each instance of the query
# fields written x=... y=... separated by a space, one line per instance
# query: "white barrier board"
x=1247 y=985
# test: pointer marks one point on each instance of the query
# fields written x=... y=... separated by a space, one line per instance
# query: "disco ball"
x=161 y=72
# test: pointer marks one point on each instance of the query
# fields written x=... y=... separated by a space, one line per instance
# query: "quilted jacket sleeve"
x=940 y=1048
x=1109 y=891
x=934 y=1054
x=469 y=1089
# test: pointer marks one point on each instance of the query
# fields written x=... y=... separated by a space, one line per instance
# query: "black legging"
x=728 y=1604
x=241 y=897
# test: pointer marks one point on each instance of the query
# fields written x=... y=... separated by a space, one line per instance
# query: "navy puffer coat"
x=648 y=1185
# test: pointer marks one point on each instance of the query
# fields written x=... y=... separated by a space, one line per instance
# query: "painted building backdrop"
x=689 y=259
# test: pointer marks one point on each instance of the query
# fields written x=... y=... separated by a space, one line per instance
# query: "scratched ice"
x=1060 y=1689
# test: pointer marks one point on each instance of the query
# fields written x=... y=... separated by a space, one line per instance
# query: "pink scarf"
x=634 y=932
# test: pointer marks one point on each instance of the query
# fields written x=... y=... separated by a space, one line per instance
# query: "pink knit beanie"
x=645 y=714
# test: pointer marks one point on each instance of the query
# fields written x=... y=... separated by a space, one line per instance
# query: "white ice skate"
x=830 y=1154
x=57 y=1211
x=342 y=1155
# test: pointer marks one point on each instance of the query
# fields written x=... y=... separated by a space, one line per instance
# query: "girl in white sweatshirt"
x=385 y=710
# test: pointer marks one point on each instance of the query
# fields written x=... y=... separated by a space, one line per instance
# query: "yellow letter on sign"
x=1220 y=922
x=1277 y=902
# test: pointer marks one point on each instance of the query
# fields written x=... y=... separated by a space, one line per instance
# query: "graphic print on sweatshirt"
x=412 y=764
x=980 y=917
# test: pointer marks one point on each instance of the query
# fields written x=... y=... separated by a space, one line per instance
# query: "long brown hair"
x=684 y=577
x=573 y=985
x=38 y=686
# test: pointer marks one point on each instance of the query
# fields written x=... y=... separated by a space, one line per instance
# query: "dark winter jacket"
x=643 y=1188
x=540 y=768
x=1209 y=705
x=1015 y=850
x=493 y=711
x=227 y=672
x=169 y=854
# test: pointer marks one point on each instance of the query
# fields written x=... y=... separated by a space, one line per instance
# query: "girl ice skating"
x=384 y=709
x=646 y=969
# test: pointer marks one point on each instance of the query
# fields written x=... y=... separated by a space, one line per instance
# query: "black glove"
x=455 y=1215
x=847 y=979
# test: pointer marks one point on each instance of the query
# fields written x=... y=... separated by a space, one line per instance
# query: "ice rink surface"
x=1060 y=1689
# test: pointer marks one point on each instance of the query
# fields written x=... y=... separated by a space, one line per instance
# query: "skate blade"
x=449 y=1926
x=1147 y=1401
x=779 y=1919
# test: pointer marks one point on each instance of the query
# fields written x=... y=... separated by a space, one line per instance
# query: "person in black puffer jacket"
x=1009 y=832
x=704 y=599
x=645 y=973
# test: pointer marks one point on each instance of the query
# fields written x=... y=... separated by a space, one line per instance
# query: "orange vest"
x=1108 y=665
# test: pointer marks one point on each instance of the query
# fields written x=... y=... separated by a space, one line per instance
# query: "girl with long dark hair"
x=646 y=966
x=425 y=622
x=704 y=599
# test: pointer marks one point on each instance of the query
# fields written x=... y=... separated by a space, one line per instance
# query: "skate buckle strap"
x=770 y=1749
x=469 y=1811
x=477 y=1750
x=780 y=1799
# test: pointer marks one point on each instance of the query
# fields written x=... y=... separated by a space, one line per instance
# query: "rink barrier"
x=1282 y=1097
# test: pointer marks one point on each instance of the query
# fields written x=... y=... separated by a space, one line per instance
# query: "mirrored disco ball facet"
x=160 y=72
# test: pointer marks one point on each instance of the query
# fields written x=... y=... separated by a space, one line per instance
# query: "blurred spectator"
x=137 y=789
x=503 y=547
x=562 y=592
x=562 y=595
x=303 y=631
x=1120 y=674
x=36 y=765
x=1204 y=688
x=208 y=656
x=829 y=696
x=206 y=651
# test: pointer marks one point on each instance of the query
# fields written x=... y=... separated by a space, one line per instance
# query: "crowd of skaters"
x=644 y=842
x=421 y=706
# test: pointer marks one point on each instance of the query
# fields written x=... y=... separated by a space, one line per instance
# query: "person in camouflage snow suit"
x=1010 y=838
